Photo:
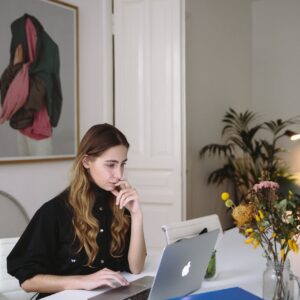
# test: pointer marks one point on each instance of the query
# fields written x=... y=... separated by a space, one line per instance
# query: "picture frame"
x=53 y=72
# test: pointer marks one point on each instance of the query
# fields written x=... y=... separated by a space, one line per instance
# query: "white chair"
x=9 y=286
x=11 y=213
x=13 y=221
x=189 y=228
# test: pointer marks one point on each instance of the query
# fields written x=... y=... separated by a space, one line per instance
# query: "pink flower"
x=266 y=185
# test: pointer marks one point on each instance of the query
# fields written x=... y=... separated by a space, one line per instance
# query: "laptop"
x=181 y=271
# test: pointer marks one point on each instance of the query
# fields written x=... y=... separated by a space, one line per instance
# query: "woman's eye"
x=110 y=165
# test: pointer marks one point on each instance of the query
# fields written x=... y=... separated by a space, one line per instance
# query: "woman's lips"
x=112 y=186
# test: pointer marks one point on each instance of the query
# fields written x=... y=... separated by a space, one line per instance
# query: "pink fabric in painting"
x=18 y=91
x=16 y=95
x=40 y=129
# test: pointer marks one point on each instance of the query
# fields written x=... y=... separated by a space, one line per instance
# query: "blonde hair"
x=95 y=142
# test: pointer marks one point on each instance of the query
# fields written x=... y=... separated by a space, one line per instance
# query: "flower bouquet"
x=272 y=221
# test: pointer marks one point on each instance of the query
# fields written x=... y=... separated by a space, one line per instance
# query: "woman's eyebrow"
x=115 y=161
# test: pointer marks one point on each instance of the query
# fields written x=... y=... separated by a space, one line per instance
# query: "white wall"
x=276 y=65
x=34 y=183
x=218 y=76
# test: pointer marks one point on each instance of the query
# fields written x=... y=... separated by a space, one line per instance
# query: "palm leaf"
x=217 y=149
x=220 y=175
x=279 y=125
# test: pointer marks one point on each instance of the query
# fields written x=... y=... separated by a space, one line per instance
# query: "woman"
x=82 y=238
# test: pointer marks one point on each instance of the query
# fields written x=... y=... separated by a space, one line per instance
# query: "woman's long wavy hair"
x=95 y=142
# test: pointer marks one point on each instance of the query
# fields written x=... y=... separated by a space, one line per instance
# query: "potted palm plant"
x=247 y=154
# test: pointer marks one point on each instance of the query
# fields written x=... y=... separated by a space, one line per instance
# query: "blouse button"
x=102 y=261
x=101 y=230
x=100 y=208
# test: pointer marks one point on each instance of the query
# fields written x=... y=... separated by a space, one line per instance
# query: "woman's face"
x=106 y=170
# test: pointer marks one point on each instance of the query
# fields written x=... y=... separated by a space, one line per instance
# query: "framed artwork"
x=39 y=83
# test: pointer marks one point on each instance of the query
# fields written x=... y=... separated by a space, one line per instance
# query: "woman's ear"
x=86 y=162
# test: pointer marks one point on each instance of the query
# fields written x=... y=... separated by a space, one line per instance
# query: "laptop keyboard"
x=143 y=295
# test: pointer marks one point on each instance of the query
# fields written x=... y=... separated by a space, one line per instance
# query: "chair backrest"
x=9 y=285
x=13 y=214
x=7 y=282
x=189 y=228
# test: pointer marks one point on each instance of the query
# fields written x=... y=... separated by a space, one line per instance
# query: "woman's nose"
x=118 y=173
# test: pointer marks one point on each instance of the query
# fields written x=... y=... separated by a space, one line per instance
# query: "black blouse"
x=47 y=247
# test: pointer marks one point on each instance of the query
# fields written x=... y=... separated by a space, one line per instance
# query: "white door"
x=148 y=106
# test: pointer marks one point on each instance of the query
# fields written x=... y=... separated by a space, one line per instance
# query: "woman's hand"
x=104 y=277
x=127 y=197
x=44 y=283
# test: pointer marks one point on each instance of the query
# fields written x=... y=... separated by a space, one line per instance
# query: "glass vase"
x=278 y=281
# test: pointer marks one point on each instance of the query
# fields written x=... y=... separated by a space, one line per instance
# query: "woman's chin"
x=110 y=188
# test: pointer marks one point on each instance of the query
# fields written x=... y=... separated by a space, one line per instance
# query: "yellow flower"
x=274 y=235
x=282 y=253
x=290 y=243
x=249 y=240
x=295 y=247
x=255 y=244
x=242 y=214
x=249 y=230
x=225 y=196
x=261 y=215
x=257 y=218
x=229 y=203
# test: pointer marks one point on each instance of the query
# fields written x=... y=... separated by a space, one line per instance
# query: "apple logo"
x=186 y=269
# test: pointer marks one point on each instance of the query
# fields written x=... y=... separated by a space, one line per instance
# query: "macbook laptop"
x=181 y=271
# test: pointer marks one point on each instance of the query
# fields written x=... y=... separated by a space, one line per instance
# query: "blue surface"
x=225 y=294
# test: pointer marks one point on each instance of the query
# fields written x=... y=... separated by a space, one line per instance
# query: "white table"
x=238 y=264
